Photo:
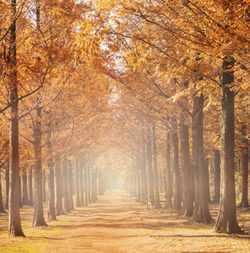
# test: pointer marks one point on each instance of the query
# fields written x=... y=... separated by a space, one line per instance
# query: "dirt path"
x=117 y=224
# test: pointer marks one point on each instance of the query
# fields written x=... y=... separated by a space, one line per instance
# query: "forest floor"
x=118 y=224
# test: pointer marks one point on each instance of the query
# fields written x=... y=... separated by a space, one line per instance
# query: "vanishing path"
x=116 y=224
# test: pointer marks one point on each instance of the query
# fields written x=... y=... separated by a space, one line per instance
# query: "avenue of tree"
x=154 y=93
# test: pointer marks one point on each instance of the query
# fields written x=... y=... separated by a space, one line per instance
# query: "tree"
x=15 y=228
x=227 y=221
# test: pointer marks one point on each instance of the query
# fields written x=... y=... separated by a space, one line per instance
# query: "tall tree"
x=227 y=221
x=216 y=165
x=157 y=203
x=15 y=228
x=51 y=183
x=201 y=211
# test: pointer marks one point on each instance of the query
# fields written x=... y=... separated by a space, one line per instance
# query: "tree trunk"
x=206 y=165
x=175 y=166
x=25 y=200
x=20 y=191
x=65 y=186
x=38 y=218
x=51 y=184
x=169 y=175
x=85 y=181
x=227 y=221
x=244 y=165
x=77 y=181
x=94 y=185
x=150 y=175
x=59 y=190
x=44 y=186
x=30 y=186
x=88 y=169
x=157 y=203
x=15 y=228
x=81 y=180
x=143 y=167
x=70 y=185
x=7 y=185
x=1 y=197
x=201 y=211
x=144 y=174
x=216 y=157
x=188 y=177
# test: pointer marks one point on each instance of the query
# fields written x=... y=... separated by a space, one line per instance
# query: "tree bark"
x=143 y=167
x=206 y=165
x=85 y=181
x=169 y=175
x=227 y=221
x=65 y=186
x=1 y=196
x=88 y=170
x=175 y=166
x=38 y=218
x=150 y=176
x=216 y=158
x=94 y=185
x=15 y=228
x=7 y=185
x=20 y=191
x=44 y=185
x=51 y=183
x=70 y=185
x=157 y=203
x=25 y=200
x=77 y=182
x=59 y=190
x=30 y=186
x=188 y=176
x=201 y=211
x=244 y=165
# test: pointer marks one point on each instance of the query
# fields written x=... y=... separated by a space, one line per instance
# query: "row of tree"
x=100 y=76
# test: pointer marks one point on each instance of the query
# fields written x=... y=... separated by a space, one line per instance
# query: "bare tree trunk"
x=59 y=190
x=244 y=165
x=85 y=181
x=175 y=166
x=201 y=211
x=70 y=185
x=38 y=218
x=169 y=175
x=15 y=228
x=7 y=185
x=216 y=157
x=65 y=186
x=206 y=165
x=1 y=197
x=51 y=183
x=94 y=185
x=25 y=199
x=188 y=177
x=227 y=221
x=143 y=167
x=89 y=182
x=30 y=186
x=151 y=198
x=44 y=186
x=157 y=203
x=20 y=192
x=77 y=182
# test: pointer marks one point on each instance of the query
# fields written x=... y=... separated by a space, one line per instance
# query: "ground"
x=117 y=224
